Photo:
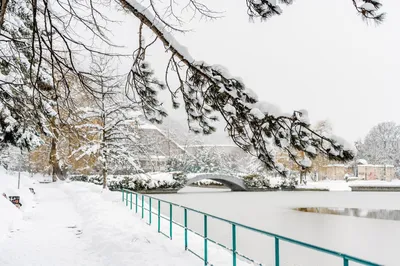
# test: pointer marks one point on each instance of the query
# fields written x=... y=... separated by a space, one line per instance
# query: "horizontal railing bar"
x=194 y=232
x=178 y=224
x=197 y=255
x=194 y=253
x=165 y=218
x=287 y=239
x=167 y=236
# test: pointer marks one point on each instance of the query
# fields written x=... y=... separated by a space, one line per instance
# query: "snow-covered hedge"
x=257 y=181
x=137 y=182
x=207 y=182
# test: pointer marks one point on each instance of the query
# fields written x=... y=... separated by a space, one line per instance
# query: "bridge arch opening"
x=234 y=183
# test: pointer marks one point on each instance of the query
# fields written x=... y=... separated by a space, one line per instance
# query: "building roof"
x=155 y=128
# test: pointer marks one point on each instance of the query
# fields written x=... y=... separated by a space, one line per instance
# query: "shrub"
x=137 y=182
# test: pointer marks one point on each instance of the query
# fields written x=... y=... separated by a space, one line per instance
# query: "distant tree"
x=382 y=145
x=324 y=128
x=109 y=124
x=13 y=158
x=202 y=160
x=4 y=157
x=213 y=159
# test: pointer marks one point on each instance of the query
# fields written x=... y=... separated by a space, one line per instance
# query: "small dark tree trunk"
x=104 y=175
x=104 y=147
x=105 y=166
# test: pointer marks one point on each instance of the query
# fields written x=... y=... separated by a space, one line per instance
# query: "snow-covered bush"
x=259 y=181
x=256 y=181
x=288 y=183
x=138 y=182
x=207 y=182
x=83 y=178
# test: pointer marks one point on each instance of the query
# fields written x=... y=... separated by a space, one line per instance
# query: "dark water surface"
x=363 y=213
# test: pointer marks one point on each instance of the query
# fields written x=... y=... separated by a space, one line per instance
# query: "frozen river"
x=370 y=239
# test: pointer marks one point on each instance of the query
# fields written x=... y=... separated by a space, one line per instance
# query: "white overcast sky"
x=319 y=55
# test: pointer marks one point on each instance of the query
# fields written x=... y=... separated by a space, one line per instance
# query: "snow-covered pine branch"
x=22 y=110
x=264 y=9
x=254 y=126
x=49 y=50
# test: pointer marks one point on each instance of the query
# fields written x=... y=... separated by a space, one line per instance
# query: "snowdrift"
x=11 y=218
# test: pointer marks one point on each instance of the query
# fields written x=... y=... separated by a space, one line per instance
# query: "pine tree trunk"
x=54 y=161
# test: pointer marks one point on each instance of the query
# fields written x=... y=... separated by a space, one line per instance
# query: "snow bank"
x=376 y=183
x=11 y=218
x=341 y=185
x=330 y=185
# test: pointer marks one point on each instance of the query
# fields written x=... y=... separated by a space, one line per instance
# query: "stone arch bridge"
x=232 y=182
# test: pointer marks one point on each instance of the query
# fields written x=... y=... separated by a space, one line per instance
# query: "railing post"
x=122 y=195
x=126 y=199
x=345 y=261
x=186 y=231
x=276 y=251
x=150 y=211
x=142 y=206
x=158 y=216
x=234 y=244
x=170 y=221
x=136 y=201
x=205 y=241
x=131 y=201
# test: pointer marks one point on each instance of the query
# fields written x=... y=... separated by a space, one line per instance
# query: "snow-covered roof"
x=157 y=157
x=362 y=161
x=378 y=165
x=148 y=126
x=210 y=145
x=335 y=165
x=153 y=127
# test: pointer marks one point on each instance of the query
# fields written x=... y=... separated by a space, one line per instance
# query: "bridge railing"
x=137 y=202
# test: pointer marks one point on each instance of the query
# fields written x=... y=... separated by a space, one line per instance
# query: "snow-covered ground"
x=76 y=223
x=341 y=185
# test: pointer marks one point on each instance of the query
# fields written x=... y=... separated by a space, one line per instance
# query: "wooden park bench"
x=16 y=201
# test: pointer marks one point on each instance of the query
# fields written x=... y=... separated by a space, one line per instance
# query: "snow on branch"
x=369 y=10
x=264 y=9
x=255 y=127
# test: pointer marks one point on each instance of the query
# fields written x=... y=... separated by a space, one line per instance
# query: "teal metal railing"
x=235 y=254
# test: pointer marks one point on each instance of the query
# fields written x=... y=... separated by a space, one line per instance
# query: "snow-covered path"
x=71 y=224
